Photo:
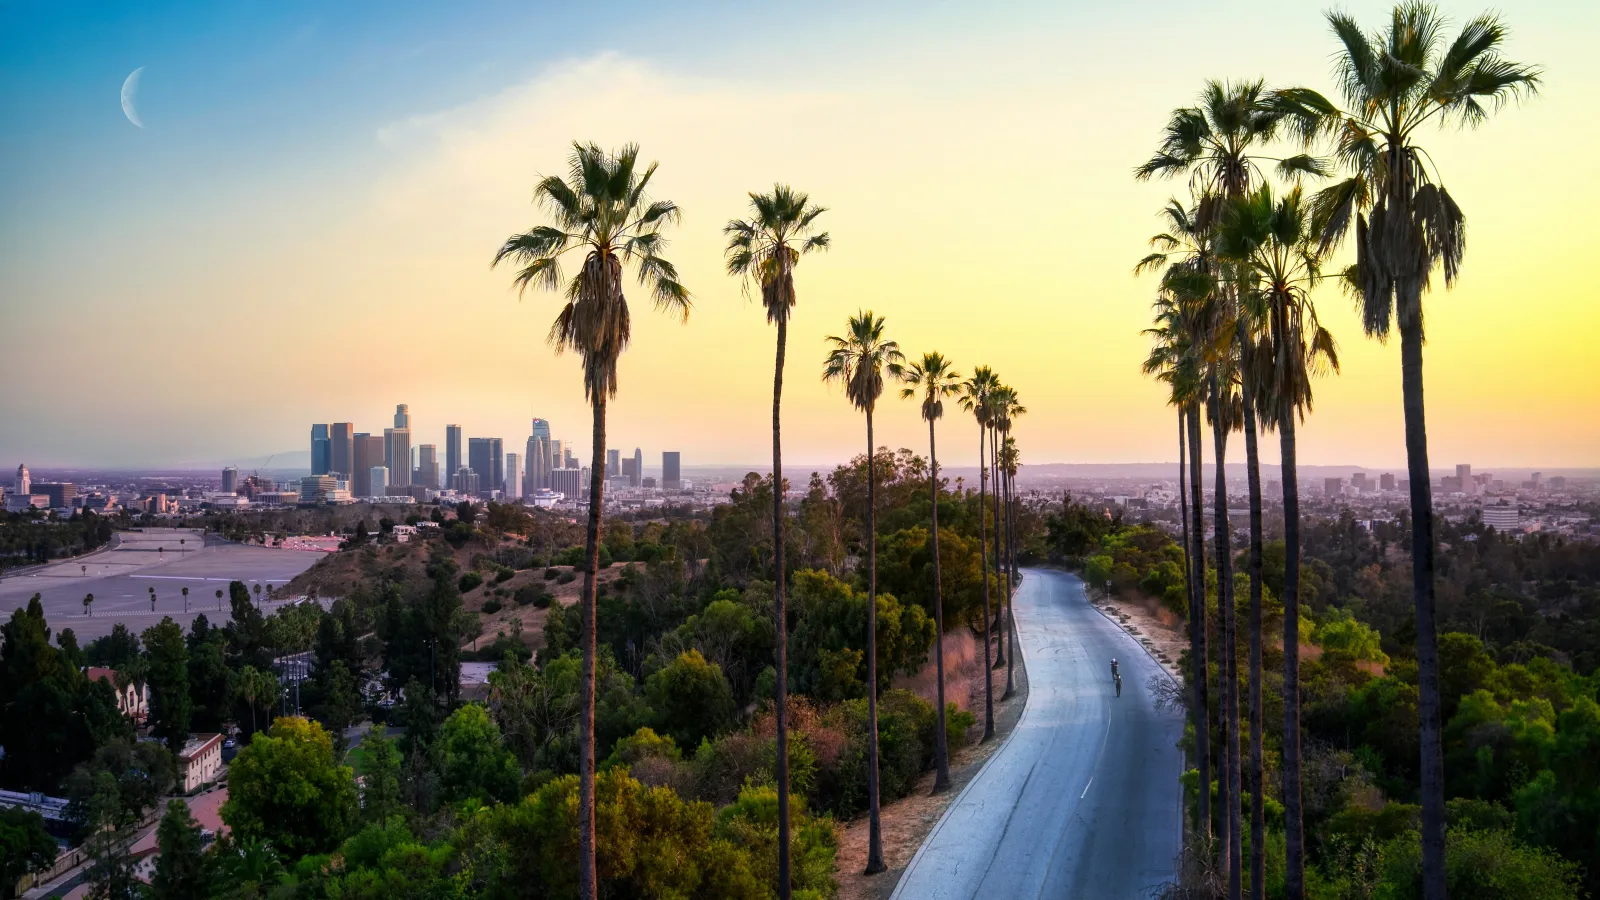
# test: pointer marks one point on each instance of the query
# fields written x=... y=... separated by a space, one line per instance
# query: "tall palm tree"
x=858 y=360
x=1183 y=255
x=1272 y=240
x=88 y=604
x=932 y=379
x=764 y=249
x=1010 y=410
x=1001 y=399
x=1220 y=143
x=1394 y=82
x=602 y=211
x=975 y=399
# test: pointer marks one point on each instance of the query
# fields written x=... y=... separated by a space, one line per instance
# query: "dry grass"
x=906 y=822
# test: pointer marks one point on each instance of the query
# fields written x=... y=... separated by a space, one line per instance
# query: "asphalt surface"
x=121 y=577
x=1083 y=800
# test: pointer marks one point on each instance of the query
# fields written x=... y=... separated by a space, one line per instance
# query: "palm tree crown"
x=859 y=357
x=767 y=246
x=1393 y=83
x=603 y=210
x=933 y=378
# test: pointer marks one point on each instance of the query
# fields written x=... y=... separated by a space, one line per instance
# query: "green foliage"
x=474 y=762
x=1483 y=865
x=492 y=605
x=691 y=699
x=286 y=788
x=828 y=637
x=1342 y=632
x=468 y=581
x=25 y=846
x=124 y=780
x=168 y=674
x=183 y=870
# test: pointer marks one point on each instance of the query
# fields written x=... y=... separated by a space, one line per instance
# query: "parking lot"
x=167 y=560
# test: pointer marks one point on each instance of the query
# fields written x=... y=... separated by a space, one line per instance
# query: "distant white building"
x=380 y=480
x=1505 y=518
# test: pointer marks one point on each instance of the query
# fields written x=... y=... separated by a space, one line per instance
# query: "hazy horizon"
x=301 y=229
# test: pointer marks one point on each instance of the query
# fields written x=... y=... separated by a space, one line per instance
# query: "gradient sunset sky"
x=302 y=230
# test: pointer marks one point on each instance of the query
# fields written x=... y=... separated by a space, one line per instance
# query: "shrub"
x=492 y=605
x=469 y=581
x=504 y=575
x=551 y=573
x=535 y=594
x=567 y=577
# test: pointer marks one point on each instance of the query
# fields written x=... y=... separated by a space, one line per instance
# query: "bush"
x=469 y=581
x=551 y=573
x=504 y=575
x=536 y=594
x=1483 y=865
x=492 y=605
x=567 y=577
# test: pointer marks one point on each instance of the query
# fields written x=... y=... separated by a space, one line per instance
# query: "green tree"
x=858 y=360
x=1394 y=82
x=256 y=688
x=474 y=761
x=930 y=380
x=287 y=789
x=25 y=846
x=604 y=213
x=170 y=703
x=380 y=778
x=183 y=869
x=765 y=250
x=691 y=699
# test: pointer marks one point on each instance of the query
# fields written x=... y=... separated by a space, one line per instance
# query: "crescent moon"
x=130 y=88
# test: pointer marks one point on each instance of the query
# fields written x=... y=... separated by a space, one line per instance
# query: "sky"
x=302 y=230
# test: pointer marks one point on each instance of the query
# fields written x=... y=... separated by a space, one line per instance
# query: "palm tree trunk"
x=1183 y=506
x=780 y=613
x=1011 y=578
x=874 y=825
x=1294 y=875
x=1228 y=793
x=1258 y=820
x=983 y=549
x=1000 y=607
x=588 y=883
x=941 y=751
x=1422 y=550
x=1199 y=659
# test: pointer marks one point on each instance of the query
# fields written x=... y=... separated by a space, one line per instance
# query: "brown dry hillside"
x=339 y=574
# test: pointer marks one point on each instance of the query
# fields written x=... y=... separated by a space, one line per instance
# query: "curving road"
x=1083 y=800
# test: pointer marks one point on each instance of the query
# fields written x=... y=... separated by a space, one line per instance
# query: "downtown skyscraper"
x=341 y=441
x=453 y=461
x=321 y=450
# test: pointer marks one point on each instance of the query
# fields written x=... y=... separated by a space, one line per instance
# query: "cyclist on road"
x=1113 y=667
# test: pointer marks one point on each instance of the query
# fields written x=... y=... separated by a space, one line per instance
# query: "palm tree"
x=765 y=249
x=1273 y=240
x=219 y=599
x=88 y=605
x=602 y=211
x=1394 y=82
x=999 y=397
x=932 y=379
x=1006 y=468
x=1218 y=143
x=1185 y=259
x=858 y=360
x=975 y=399
x=152 y=599
x=185 y=600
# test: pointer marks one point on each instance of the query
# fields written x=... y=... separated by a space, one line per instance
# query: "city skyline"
x=381 y=179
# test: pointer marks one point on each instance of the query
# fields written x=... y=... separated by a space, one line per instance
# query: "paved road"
x=1083 y=800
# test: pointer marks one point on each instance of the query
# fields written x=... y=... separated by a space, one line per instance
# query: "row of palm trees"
x=602 y=213
x=1236 y=332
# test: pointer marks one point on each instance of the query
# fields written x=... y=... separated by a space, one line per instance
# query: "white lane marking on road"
x=1086 y=788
